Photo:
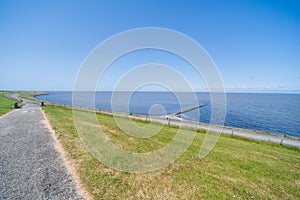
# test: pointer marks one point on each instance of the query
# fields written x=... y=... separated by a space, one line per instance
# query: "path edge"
x=81 y=190
x=2 y=116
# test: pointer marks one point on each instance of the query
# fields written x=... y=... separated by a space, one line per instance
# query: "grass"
x=235 y=168
x=6 y=104
x=29 y=94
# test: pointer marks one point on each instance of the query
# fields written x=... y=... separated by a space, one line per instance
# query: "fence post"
x=282 y=138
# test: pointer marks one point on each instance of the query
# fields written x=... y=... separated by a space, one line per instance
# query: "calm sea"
x=278 y=113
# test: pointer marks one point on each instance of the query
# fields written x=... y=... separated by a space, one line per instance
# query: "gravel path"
x=30 y=166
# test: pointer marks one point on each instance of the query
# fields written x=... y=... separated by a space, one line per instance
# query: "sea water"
x=277 y=113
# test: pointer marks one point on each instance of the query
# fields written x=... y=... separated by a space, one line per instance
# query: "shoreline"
x=258 y=135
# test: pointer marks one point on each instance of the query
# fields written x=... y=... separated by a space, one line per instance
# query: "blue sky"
x=255 y=44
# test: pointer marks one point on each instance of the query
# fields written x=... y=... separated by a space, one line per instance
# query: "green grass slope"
x=235 y=169
x=6 y=104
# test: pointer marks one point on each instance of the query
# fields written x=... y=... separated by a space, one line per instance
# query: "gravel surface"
x=30 y=166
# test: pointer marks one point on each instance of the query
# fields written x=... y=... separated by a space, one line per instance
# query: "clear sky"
x=255 y=44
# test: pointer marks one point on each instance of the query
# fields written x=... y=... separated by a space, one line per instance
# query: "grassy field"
x=235 y=169
x=6 y=104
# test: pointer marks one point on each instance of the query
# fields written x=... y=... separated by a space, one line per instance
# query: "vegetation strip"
x=6 y=104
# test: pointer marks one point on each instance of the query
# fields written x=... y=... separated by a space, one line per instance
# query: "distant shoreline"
x=264 y=110
x=234 y=131
x=292 y=92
